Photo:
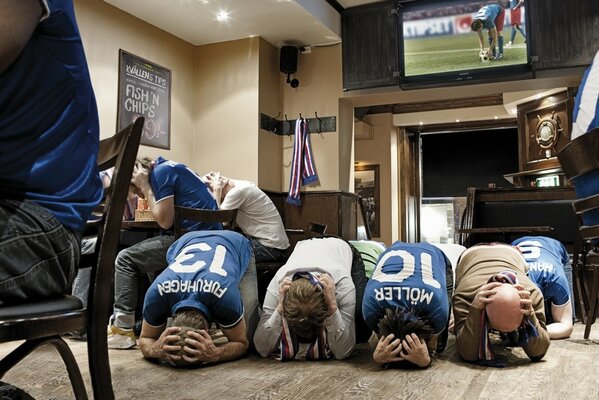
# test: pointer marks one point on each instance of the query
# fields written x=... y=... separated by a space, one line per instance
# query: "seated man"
x=492 y=291
x=407 y=303
x=211 y=277
x=549 y=268
x=312 y=299
x=163 y=184
x=257 y=217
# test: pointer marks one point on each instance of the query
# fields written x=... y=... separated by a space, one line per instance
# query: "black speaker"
x=288 y=59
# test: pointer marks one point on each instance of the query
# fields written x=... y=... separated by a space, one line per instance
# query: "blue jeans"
x=248 y=289
x=38 y=255
x=264 y=253
x=137 y=261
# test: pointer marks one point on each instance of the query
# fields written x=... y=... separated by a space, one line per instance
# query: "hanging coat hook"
x=319 y=122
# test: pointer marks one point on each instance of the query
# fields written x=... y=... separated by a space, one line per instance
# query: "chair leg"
x=99 y=365
x=72 y=367
x=63 y=349
x=579 y=291
x=594 y=302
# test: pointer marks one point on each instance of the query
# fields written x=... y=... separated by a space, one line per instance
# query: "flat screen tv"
x=441 y=46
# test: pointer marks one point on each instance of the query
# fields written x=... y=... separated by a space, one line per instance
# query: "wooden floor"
x=570 y=370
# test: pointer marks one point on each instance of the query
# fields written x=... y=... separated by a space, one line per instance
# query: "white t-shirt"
x=257 y=216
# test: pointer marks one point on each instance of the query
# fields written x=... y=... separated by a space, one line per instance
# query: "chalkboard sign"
x=145 y=90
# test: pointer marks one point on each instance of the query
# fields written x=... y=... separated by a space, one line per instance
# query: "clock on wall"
x=547 y=134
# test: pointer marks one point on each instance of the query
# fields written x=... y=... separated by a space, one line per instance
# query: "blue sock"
x=513 y=35
x=500 y=40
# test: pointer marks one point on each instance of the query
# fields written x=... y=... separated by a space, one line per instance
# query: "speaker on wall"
x=288 y=59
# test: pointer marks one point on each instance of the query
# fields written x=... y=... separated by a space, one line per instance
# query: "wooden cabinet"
x=563 y=33
x=339 y=211
x=370 y=46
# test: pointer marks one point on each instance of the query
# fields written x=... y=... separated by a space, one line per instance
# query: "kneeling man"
x=211 y=277
x=492 y=292
x=406 y=303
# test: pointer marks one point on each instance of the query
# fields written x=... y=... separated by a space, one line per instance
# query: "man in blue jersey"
x=211 y=277
x=163 y=184
x=490 y=17
x=549 y=267
x=49 y=135
x=406 y=303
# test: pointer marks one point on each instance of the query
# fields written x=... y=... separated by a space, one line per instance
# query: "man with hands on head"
x=163 y=184
x=406 y=303
x=211 y=277
x=492 y=292
x=312 y=300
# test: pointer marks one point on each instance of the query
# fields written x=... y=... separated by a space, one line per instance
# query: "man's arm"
x=562 y=325
x=270 y=327
x=533 y=307
x=468 y=317
x=493 y=32
x=164 y=210
x=17 y=22
x=340 y=325
x=156 y=342
x=201 y=349
x=481 y=40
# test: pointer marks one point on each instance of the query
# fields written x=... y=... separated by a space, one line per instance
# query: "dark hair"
x=188 y=319
x=476 y=25
x=305 y=308
x=401 y=323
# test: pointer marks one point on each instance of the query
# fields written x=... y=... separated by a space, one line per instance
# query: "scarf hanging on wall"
x=526 y=331
x=303 y=170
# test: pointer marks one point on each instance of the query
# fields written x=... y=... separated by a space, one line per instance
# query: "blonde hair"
x=305 y=308
x=188 y=320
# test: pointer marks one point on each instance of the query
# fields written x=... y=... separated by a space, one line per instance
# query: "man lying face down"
x=493 y=293
x=211 y=277
x=407 y=304
x=312 y=300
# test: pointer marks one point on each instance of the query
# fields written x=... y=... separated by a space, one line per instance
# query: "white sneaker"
x=508 y=44
x=119 y=338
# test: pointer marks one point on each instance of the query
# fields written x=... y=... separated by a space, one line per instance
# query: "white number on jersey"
x=531 y=249
x=409 y=266
x=216 y=266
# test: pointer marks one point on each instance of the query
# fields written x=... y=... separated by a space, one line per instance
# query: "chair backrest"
x=120 y=152
x=226 y=217
x=581 y=155
x=315 y=229
x=506 y=214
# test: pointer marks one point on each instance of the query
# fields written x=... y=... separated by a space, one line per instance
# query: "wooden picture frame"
x=145 y=90
x=367 y=186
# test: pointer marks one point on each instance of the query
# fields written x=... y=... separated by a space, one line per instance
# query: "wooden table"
x=140 y=225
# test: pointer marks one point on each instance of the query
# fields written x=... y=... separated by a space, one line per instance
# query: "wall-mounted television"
x=442 y=46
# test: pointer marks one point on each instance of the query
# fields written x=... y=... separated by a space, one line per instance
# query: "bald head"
x=504 y=311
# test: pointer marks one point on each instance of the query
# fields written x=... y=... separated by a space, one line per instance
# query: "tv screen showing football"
x=451 y=36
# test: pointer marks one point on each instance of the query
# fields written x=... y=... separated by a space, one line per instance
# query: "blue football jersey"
x=546 y=258
x=488 y=14
x=408 y=275
x=170 y=178
x=205 y=268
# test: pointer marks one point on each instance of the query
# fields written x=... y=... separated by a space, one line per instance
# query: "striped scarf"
x=302 y=163
x=289 y=345
x=526 y=331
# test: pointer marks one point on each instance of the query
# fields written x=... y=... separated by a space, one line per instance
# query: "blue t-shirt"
x=205 y=268
x=170 y=178
x=546 y=258
x=49 y=131
x=408 y=275
x=488 y=14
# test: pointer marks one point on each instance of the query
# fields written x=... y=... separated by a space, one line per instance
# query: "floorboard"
x=570 y=370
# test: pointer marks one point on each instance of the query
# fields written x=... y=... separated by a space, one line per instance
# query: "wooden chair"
x=578 y=158
x=227 y=217
x=42 y=322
